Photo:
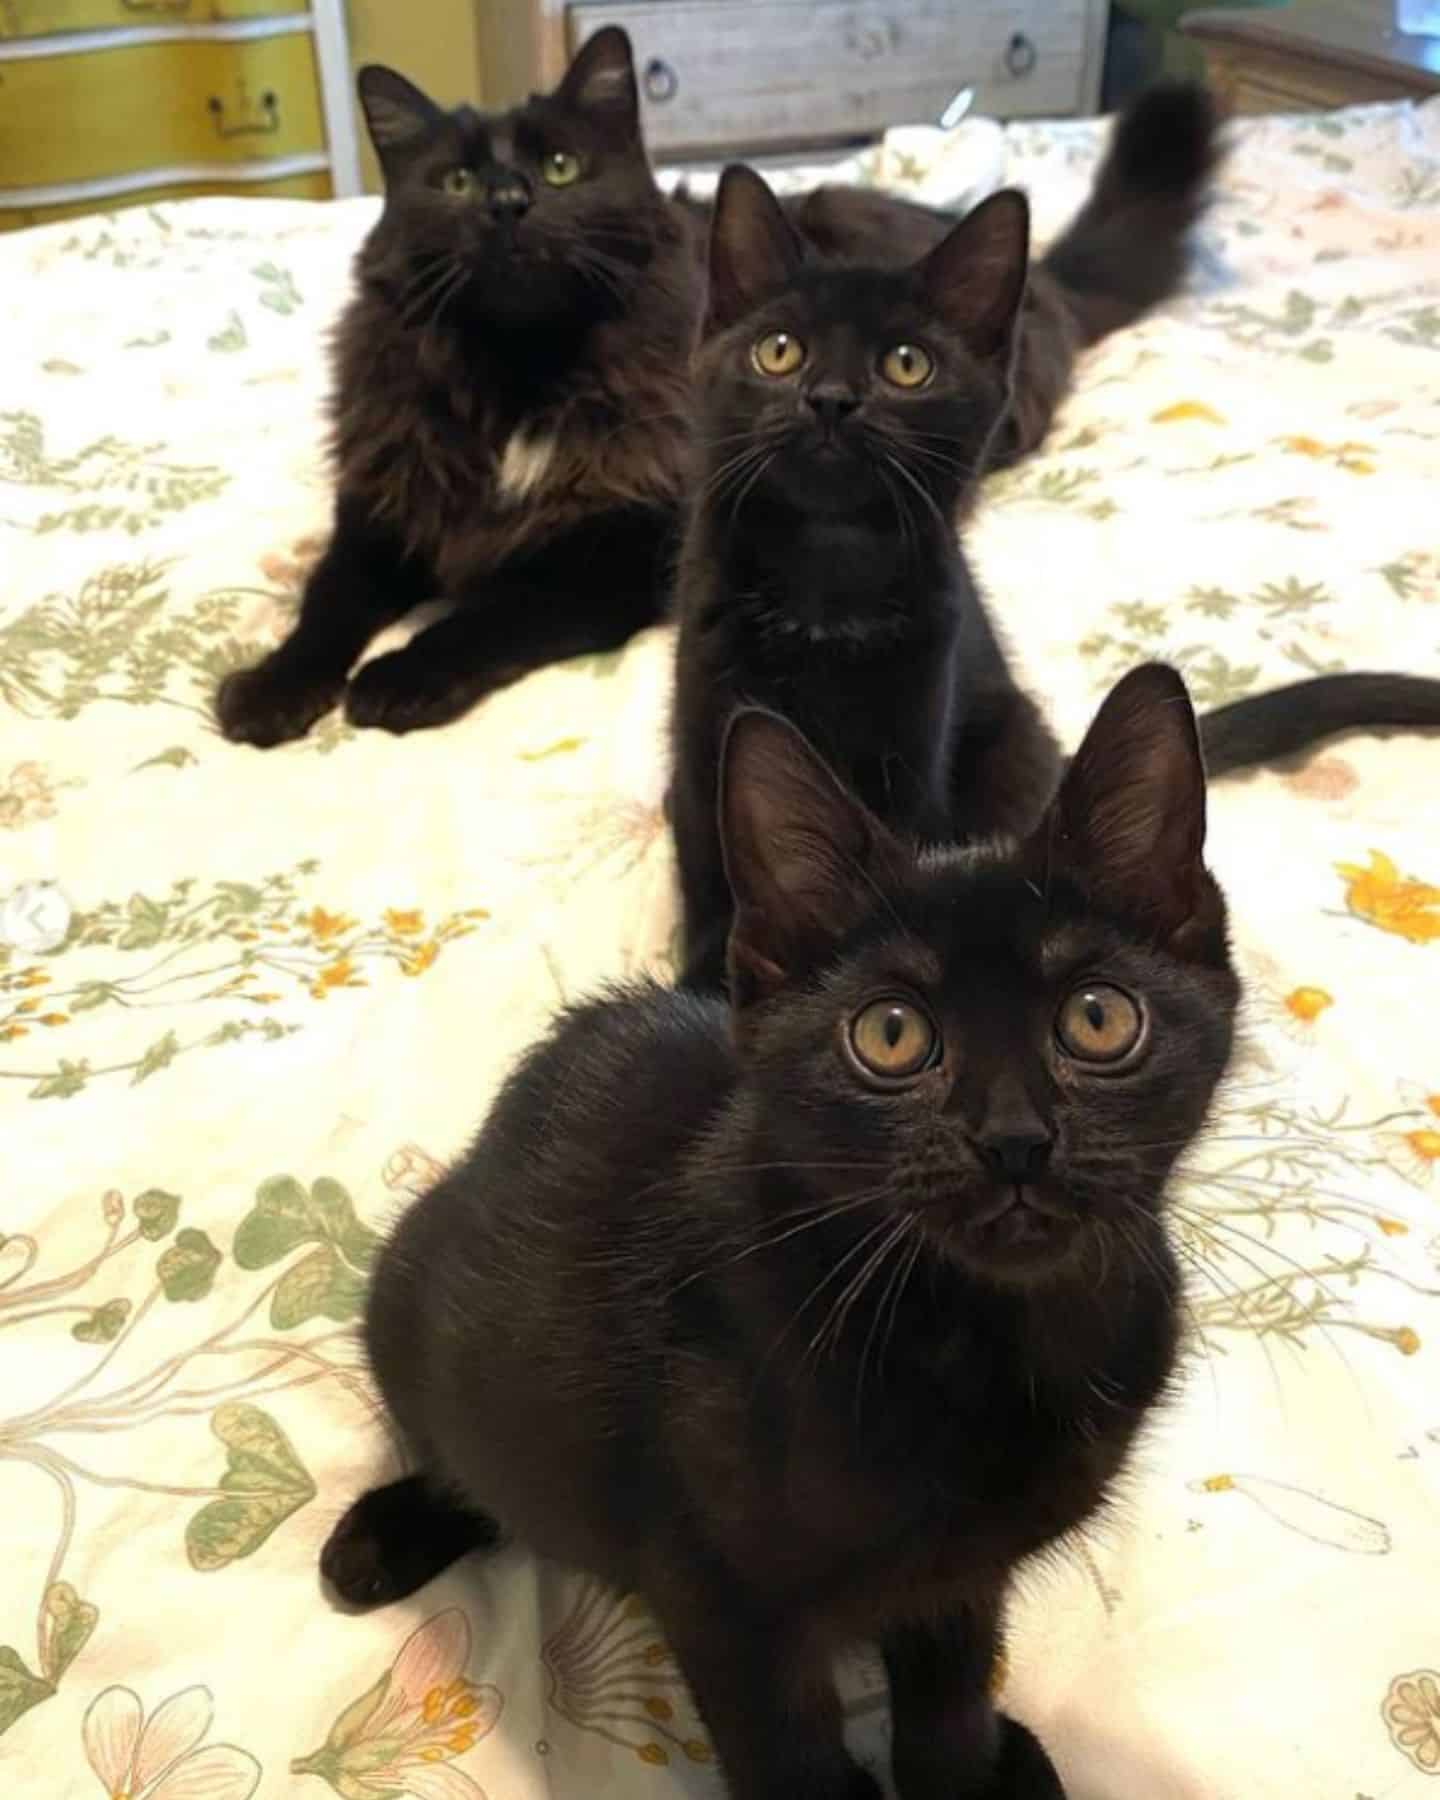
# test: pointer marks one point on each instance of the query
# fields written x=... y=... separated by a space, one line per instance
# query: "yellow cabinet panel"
x=144 y=106
x=289 y=187
x=38 y=18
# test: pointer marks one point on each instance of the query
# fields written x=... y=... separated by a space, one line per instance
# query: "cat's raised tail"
x=1267 y=727
x=1127 y=249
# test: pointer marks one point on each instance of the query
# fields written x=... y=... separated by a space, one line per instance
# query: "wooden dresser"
x=716 y=74
x=103 y=102
x=1321 y=54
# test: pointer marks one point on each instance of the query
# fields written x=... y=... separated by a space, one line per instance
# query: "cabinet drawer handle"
x=659 y=81
x=1020 y=55
x=167 y=7
x=265 y=126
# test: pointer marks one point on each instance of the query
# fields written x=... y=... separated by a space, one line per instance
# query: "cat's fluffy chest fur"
x=472 y=445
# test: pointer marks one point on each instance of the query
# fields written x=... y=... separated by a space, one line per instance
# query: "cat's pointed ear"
x=601 y=82
x=397 y=114
x=753 y=248
x=1128 y=822
x=806 y=861
x=974 y=278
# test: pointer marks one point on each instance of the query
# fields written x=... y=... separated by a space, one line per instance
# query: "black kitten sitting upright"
x=845 y=416
x=810 y=1316
x=510 y=380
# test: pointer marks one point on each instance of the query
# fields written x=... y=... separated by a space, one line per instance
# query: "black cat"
x=811 y=1315
x=845 y=416
x=509 y=413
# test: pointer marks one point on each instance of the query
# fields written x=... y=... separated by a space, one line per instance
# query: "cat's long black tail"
x=1270 y=726
x=1127 y=249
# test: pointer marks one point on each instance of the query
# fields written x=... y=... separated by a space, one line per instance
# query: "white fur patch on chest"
x=524 y=466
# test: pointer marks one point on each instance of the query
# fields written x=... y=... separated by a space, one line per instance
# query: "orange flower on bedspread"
x=401 y=1736
x=1411 y=1710
x=1398 y=903
x=163 y=1759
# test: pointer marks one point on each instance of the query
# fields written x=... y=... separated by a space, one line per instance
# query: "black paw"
x=405 y=691
x=273 y=703
x=396 y=1538
x=355 y=1561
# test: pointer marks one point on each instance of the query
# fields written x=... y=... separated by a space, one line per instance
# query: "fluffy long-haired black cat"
x=811 y=1314
x=845 y=415
x=508 y=419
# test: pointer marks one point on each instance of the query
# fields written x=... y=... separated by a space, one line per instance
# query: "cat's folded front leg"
x=949 y=1741
x=365 y=579
x=591 y=591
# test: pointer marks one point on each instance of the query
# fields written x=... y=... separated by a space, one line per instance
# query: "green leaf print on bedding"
x=19 y=1689
x=230 y=337
x=130 y=486
x=103 y=1325
x=330 y=1281
x=264 y=1482
x=279 y=293
x=156 y=1213
x=67 y=1623
x=187 y=1268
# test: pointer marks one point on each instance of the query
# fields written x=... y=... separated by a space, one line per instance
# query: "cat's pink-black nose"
x=832 y=402
x=1016 y=1155
x=510 y=198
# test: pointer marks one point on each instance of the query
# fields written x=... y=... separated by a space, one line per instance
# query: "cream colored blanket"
x=249 y=1003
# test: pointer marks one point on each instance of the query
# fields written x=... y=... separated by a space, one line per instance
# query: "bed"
x=250 y=1003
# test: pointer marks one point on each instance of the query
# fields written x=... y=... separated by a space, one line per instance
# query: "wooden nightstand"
x=716 y=74
x=1304 y=58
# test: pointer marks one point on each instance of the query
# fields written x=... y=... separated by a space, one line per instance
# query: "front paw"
x=273 y=702
x=404 y=691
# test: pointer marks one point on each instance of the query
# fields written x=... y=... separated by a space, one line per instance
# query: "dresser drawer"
x=716 y=72
x=144 y=106
x=314 y=186
x=39 y=18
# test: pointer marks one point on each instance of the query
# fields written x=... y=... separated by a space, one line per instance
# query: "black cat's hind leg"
x=364 y=581
x=591 y=591
x=396 y=1538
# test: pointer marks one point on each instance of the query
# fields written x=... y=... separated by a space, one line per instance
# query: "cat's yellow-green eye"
x=777 y=353
x=1101 y=1024
x=560 y=168
x=907 y=366
x=892 y=1040
x=459 y=181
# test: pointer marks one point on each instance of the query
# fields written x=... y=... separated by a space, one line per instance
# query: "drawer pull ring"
x=660 y=81
x=265 y=126
x=1020 y=55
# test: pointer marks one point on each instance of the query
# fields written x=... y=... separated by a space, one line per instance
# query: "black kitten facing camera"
x=845 y=415
x=809 y=1315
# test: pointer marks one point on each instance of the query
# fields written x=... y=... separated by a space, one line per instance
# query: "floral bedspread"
x=249 y=1003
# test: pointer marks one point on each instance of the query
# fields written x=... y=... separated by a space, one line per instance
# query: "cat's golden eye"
x=560 y=168
x=907 y=366
x=458 y=181
x=1098 y=1023
x=778 y=353
x=893 y=1039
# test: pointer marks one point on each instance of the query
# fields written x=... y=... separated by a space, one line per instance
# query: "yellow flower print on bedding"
x=1393 y=902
